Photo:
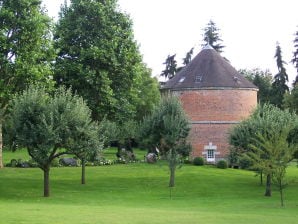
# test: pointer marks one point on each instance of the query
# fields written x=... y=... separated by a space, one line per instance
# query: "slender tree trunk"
x=1 y=144
x=172 y=176
x=268 y=186
x=46 y=182
x=83 y=179
x=261 y=177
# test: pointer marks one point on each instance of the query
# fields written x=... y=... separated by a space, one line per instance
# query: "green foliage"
x=265 y=139
x=211 y=36
x=171 y=67
x=198 y=161
x=50 y=126
x=99 y=59
x=263 y=80
x=279 y=85
x=295 y=57
x=167 y=129
x=26 y=49
x=222 y=164
x=290 y=100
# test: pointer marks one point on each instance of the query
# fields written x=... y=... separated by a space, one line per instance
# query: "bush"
x=13 y=163
x=198 y=161
x=222 y=164
x=245 y=163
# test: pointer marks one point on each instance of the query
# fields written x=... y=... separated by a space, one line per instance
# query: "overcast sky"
x=249 y=29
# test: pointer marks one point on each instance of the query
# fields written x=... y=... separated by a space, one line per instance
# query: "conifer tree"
x=171 y=67
x=211 y=36
x=295 y=57
x=279 y=85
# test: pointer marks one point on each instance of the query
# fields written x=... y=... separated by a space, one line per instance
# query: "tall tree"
x=188 y=56
x=98 y=56
x=295 y=57
x=279 y=85
x=25 y=48
x=167 y=129
x=212 y=37
x=171 y=67
x=51 y=126
x=263 y=80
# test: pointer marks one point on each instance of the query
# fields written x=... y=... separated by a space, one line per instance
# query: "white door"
x=210 y=155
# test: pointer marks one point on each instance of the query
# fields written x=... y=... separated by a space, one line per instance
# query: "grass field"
x=138 y=193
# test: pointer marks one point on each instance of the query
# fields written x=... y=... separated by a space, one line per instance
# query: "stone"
x=68 y=162
x=151 y=158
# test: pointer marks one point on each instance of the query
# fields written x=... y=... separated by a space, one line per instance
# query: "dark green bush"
x=13 y=163
x=222 y=164
x=245 y=163
x=198 y=161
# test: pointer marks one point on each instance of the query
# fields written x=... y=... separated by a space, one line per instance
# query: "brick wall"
x=213 y=113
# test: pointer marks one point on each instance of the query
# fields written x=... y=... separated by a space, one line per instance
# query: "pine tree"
x=171 y=67
x=279 y=86
x=211 y=36
x=295 y=57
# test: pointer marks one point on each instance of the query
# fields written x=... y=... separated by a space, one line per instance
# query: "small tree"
x=271 y=152
x=295 y=57
x=46 y=124
x=167 y=128
x=256 y=135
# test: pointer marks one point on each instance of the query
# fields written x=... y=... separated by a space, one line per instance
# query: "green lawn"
x=138 y=193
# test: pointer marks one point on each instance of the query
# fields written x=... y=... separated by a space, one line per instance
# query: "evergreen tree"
x=295 y=57
x=188 y=56
x=279 y=85
x=212 y=37
x=171 y=67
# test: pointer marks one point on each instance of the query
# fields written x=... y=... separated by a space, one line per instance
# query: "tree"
x=262 y=128
x=212 y=37
x=171 y=67
x=188 y=56
x=263 y=80
x=47 y=125
x=25 y=48
x=295 y=57
x=167 y=129
x=271 y=152
x=279 y=85
x=291 y=100
x=98 y=57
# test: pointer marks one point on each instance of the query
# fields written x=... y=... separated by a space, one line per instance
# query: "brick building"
x=215 y=97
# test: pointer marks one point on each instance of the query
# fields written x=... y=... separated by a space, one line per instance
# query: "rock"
x=68 y=162
x=151 y=158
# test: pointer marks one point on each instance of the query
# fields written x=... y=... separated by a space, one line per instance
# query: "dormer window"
x=182 y=79
x=198 y=78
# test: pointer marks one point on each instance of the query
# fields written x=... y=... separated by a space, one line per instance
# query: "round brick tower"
x=215 y=97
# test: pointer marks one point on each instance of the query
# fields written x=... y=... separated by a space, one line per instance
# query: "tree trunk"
x=261 y=177
x=83 y=179
x=172 y=176
x=281 y=197
x=268 y=186
x=1 y=144
x=46 y=182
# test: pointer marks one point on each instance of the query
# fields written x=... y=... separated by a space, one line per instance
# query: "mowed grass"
x=138 y=193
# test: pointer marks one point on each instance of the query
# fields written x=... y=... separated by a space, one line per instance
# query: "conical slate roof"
x=208 y=70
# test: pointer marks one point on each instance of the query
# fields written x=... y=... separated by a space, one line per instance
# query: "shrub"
x=222 y=164
x=198 y=161
x=245 y=163
x=14 y=163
